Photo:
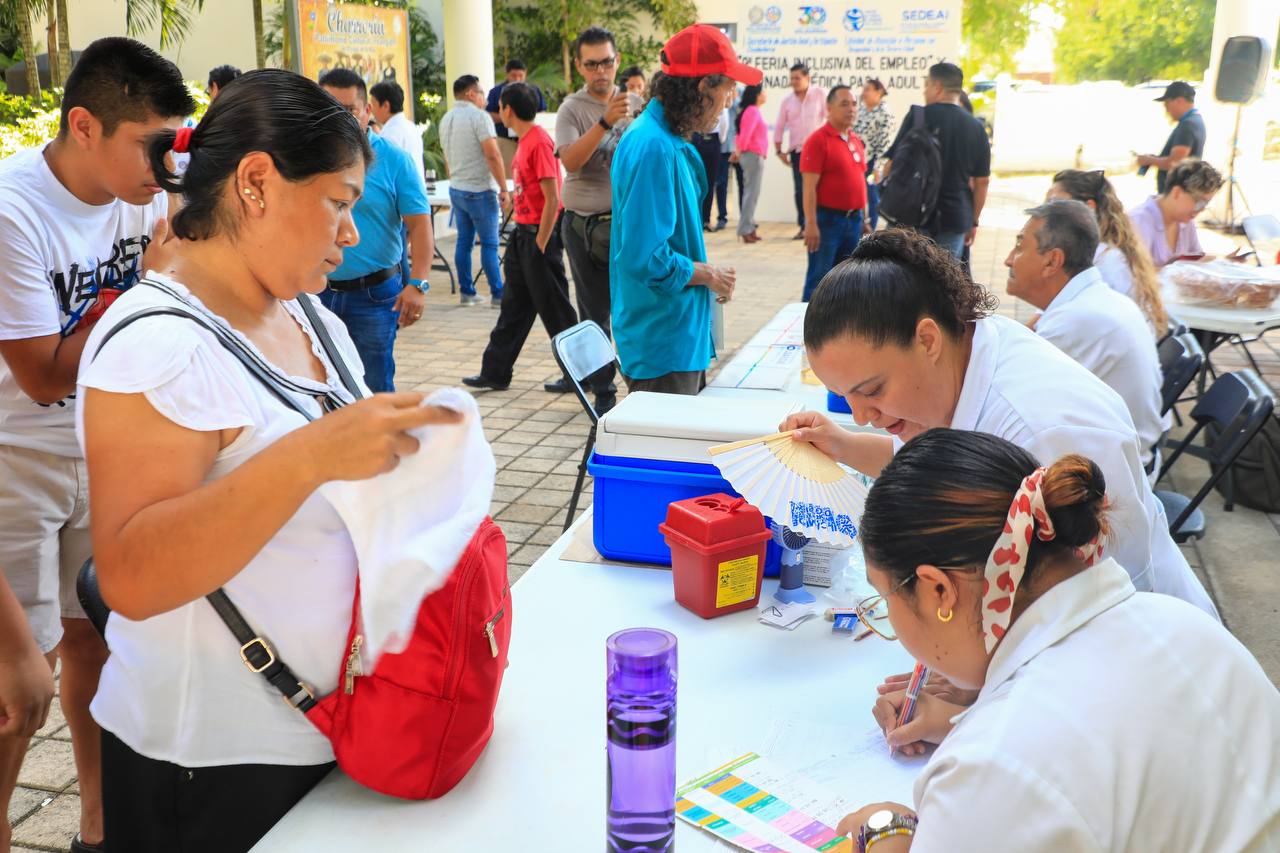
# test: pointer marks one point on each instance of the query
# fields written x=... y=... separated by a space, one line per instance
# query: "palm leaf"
x=172 y=17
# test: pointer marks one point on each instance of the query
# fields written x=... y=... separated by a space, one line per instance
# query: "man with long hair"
x=659 y=280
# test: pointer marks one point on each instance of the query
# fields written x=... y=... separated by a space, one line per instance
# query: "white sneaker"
x=471 y=299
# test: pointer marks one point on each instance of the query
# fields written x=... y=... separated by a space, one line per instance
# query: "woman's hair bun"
x=1075 y=494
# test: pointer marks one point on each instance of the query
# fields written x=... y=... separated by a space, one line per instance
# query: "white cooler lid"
x=679 y=428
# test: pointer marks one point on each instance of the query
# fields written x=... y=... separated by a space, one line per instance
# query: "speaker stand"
x=1234 y=188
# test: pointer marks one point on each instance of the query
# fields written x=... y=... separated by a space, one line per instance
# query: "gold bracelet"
x=879 y=836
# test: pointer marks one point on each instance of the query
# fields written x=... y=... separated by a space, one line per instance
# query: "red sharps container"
x=717 y=553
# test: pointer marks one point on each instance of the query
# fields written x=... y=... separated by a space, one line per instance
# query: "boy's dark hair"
x=464 y=84
x=629 y=72
x=300 y=125
x=389 y=93
x=345 y=78
x=523 y=100
x=801 y=67
x=118 y=79
x=593 y=35
x=948 y=75
x=222 y=75
x=515 y=65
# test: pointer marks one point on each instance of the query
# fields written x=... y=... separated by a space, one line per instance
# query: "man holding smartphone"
x=588 y=126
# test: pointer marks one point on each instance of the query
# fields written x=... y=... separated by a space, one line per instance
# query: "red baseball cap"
x=701 y=49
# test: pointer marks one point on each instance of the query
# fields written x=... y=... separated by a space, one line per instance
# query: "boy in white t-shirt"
x=81 y=218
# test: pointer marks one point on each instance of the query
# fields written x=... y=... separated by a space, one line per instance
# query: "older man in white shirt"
x=1051 y=266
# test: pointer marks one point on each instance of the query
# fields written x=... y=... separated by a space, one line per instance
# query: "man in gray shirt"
x=477 y=186
x=588 y=126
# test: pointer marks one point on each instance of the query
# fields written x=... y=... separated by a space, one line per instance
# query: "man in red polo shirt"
x=833 y=165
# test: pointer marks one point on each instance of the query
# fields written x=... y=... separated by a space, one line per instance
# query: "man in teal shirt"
x=368 y=291
x=660 y=284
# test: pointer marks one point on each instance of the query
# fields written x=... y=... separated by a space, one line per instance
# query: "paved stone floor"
x=538 y=437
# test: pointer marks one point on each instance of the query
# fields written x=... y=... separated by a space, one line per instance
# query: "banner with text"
x=370 y=40
x=894 y=41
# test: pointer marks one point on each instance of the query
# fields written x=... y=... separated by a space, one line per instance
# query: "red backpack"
x=414 y=726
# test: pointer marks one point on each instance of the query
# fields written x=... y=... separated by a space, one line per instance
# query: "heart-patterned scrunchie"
x=1008 y=560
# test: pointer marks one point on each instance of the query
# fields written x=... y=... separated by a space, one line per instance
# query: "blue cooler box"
x=652 y=450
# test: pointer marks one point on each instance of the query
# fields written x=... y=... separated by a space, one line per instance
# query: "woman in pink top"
x=752 y=147
x=1165 y=224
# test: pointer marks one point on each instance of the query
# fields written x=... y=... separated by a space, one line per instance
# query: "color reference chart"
x=756 y=805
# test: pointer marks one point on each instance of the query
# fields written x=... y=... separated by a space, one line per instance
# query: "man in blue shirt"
x=367 y=291
x=659 y=282
x=1187 y=138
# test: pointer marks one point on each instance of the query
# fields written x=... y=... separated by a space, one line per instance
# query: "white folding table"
x=540 y=785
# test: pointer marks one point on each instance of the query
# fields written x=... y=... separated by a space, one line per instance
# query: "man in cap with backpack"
x=939 y=165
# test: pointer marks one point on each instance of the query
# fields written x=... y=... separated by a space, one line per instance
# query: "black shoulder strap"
x=255 y=651
x=330 y=349
x=917 y=117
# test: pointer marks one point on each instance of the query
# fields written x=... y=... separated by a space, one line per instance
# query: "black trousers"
x=535 y=287
x=591 y=289
x=798 y=181
x=708 y=146
x=152 y=806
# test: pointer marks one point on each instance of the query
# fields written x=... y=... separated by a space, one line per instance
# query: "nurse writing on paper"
x=910 y=341
x=1105 y=719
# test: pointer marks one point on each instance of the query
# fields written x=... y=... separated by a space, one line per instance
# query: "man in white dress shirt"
x=1051 y=266
x=386 y=99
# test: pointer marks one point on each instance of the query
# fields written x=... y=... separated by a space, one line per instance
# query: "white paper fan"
x=795 y=484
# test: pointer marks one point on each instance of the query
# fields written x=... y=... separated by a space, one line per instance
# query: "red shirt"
x=535 y=161
x=841 y=166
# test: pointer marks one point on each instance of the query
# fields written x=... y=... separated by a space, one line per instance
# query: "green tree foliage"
x=1134 y=40
x=993 y=31
x=541 y=32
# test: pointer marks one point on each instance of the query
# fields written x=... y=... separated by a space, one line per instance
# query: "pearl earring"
x=262 y=204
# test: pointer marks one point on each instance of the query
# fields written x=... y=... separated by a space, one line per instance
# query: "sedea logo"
x=925 y=19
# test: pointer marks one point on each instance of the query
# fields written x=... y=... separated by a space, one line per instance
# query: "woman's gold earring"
x=948 y=617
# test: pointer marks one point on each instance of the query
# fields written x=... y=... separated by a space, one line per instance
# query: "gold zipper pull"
x=493 y=642
x=353 y=667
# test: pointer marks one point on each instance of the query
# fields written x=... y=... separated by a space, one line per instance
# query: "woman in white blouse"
x=1122 y=259
x=1105 y=719
x=909 y=339
x=204 y=479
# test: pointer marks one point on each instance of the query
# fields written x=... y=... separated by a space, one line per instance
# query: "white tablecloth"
x=540 y=785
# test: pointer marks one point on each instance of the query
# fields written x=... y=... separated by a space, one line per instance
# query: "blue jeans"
x=372 y=326
x=952 y=241
x=477 y=213
x=873 y=204
x=839 y=237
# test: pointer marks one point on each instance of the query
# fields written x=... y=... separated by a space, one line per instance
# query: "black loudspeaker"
x=1242 y=73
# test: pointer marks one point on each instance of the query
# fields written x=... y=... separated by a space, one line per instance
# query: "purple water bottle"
x=641 y=688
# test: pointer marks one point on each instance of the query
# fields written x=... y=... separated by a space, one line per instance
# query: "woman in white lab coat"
x=1122 y=259
x=910 y=340
x=1105 y=718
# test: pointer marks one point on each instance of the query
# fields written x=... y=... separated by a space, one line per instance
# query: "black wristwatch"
x=607 y=127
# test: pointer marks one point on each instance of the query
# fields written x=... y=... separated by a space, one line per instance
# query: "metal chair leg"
x=582 y=476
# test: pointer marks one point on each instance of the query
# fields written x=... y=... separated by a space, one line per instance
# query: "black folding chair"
x=91 y=599
x=580 y=351
x=1174 y=327
x=1234 y=409
x=1180 y=360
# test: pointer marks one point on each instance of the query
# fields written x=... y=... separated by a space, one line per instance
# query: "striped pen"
x=919 y=676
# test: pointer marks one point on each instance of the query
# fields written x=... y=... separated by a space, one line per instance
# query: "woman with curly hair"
x=903 y=333
x=1166 y=223
x=1122 y=259
x=659 y=280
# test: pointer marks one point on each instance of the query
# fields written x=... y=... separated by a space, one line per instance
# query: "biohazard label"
x=736 y=580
